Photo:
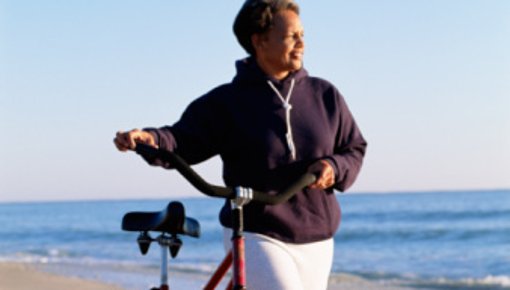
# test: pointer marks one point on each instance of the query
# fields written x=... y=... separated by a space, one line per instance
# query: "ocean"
x=429 y=240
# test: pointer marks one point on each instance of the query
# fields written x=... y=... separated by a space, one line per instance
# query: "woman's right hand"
x=127 y=140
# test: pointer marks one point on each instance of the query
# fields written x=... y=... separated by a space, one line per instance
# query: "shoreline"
x=23 y=276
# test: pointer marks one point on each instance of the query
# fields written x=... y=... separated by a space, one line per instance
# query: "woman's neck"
x=271 y=71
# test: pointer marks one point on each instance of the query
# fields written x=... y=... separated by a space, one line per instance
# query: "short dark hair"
x=256 y=17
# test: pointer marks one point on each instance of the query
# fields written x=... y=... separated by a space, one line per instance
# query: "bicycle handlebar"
x=219 y=191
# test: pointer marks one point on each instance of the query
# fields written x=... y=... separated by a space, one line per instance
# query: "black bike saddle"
x=171 y=220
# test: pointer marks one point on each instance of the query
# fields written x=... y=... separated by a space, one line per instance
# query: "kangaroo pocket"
x=310 y=216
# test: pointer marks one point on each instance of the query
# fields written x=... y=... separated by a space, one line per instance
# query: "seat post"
x=164 y=262
x=164 y=268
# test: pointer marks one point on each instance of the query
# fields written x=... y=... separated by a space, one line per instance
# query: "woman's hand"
x=127 y=140
x=325 y=174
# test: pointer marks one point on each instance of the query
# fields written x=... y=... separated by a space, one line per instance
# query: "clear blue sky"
x=427 y=80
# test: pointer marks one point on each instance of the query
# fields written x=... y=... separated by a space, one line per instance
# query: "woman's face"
x=280 y=50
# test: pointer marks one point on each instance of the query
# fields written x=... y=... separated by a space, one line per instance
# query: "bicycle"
x=172 y=221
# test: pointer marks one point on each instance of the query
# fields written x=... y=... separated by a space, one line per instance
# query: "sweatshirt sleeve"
x=350 y=148
x=197 y=135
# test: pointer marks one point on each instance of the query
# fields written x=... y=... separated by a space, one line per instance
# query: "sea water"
x=434 y=240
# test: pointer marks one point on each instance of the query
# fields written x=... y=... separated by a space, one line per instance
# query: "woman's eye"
x=298 y=36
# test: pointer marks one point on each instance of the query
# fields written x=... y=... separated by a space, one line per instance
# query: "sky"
x=428 y=82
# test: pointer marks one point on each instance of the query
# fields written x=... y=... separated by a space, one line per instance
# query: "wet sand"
x=19 y=276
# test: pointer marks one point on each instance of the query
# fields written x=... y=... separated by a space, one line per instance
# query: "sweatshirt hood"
x=248 y=71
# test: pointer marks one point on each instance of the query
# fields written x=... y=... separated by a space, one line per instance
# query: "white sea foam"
x=499 y=280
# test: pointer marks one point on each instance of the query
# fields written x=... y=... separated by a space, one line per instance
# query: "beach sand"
x=18 y=276
x=14 y=276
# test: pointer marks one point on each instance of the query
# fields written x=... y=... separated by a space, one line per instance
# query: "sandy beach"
x=14 y=276
x=19 y=276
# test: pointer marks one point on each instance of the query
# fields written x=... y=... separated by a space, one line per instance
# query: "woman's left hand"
x=325 y=174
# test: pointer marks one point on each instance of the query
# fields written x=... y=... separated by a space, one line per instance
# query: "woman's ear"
x=257 y=41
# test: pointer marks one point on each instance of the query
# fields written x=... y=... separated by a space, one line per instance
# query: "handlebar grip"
x=305 y=180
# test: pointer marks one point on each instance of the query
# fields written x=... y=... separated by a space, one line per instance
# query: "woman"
x=271 y=124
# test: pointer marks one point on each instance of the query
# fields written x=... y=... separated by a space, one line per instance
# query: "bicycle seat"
x=171 y=220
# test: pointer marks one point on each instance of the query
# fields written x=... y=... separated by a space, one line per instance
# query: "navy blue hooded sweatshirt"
x=246 y=123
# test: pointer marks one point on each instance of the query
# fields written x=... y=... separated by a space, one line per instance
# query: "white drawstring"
x=287 y=106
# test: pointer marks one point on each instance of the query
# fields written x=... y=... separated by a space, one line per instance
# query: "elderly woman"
x=272 y=123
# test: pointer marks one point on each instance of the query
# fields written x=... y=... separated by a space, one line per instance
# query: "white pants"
x=275 y=265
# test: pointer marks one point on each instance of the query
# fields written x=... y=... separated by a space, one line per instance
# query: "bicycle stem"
x=243 y=197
